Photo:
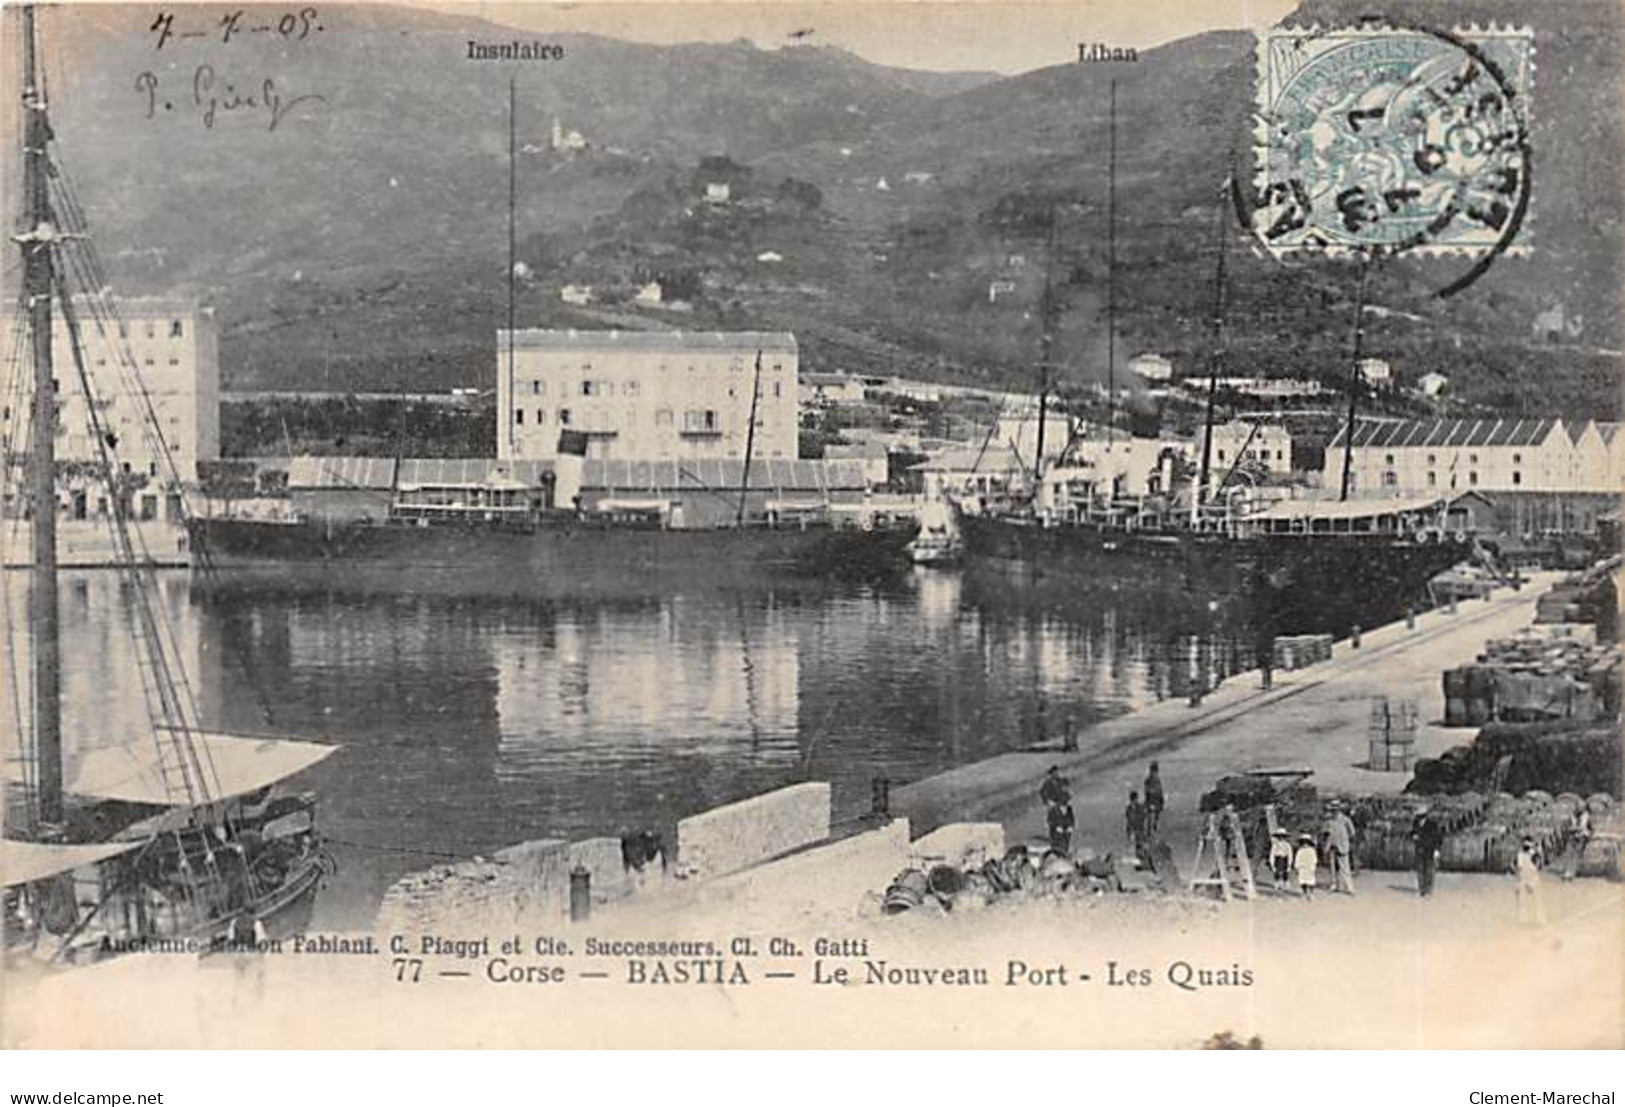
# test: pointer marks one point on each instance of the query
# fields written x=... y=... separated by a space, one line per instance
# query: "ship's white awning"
x=231 y=766
x=21 y=862
x=1346 y=509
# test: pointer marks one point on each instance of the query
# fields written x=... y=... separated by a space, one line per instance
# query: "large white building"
x=163 y=354
x=1443 y=457
x=646 y=395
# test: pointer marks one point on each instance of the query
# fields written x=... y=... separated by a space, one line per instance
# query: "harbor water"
x=467 y=725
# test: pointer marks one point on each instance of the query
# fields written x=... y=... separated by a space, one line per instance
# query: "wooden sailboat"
x=180 y=841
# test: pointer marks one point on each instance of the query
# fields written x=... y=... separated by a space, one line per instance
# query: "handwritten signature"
x=213 y=98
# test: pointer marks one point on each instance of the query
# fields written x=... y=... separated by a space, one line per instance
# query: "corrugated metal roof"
x=341 y=472
x=467 y=471
x=768 y=474
x=744 y=341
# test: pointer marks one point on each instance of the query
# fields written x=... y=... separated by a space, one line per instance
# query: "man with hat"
x=1340 y=845
x=1056 y=789
x=1427 y=835
x=1531 y=909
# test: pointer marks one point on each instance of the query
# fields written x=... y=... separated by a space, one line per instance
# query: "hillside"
x=363 y=242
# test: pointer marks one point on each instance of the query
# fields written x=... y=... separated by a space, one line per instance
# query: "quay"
x=1312 y=718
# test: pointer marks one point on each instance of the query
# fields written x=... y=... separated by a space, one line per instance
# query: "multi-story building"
x=647 y=395
x=155 y=382
x=1239 y=442
x=1443 y=457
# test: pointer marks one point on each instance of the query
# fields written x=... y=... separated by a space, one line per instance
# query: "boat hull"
x=1294 y=583
x=563 y=559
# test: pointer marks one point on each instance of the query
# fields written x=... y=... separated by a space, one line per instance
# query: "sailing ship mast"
x=39 y=280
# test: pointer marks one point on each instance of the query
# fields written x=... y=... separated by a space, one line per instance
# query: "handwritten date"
x=212 y=98
x=294 y=26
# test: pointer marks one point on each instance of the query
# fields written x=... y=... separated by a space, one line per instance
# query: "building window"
x=1472 y=478
x=541 y=416
x=629 y=388
x=519 y=416
x=1388 y=460
x=1221 y=455
x=176 y=330
x=564 y=416
x=778 y=388
x=1433 y=479
x=101 y=362
x=1431 y=459
x=589 y=388
x=1473 y=458
x=1517 y=459
x=174 y=361
x=1517 y=478
x=535 y=388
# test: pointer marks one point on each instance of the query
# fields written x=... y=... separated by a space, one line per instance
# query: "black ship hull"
x=564 y=559
x=1287 y=583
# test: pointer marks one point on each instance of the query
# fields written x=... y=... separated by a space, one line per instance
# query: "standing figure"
x=1056 y=788
x=1134 y=823
x=1579 y=837
x=1427 y=835
x=1340 y=847
x=1306 y=860
x=1281 y=858
x=1061 y=822
x=1154 y=801
x=1531 y=908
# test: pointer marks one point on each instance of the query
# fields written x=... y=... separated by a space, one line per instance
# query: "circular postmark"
x=1378 y=141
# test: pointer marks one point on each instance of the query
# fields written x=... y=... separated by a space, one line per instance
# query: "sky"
x=1004 y=36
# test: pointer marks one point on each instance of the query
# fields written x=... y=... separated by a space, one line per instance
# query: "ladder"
x=1221 y=858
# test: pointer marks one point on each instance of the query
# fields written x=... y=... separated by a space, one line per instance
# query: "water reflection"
x=467 y=724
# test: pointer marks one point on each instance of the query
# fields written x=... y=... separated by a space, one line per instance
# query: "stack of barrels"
x=1298 y=651
x=1391 y=735
x=1560 y=674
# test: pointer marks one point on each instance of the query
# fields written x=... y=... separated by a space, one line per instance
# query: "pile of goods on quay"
x=1020 y=874
x=1560 y=672
x=1299 y=651
x=1482 y=829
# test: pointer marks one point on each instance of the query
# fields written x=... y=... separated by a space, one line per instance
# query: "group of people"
x=1300 y=863
x=1142 y=818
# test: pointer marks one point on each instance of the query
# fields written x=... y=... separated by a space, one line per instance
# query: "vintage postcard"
x=1010 y=523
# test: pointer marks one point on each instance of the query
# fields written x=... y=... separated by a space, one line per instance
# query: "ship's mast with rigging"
x=1215 y=356
x=1111 y=272
x=750 y=441
x=1356 y=381
x=36 y=240
x=1046 y=341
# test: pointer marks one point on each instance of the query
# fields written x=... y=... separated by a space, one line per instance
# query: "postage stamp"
x=1380 y=139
